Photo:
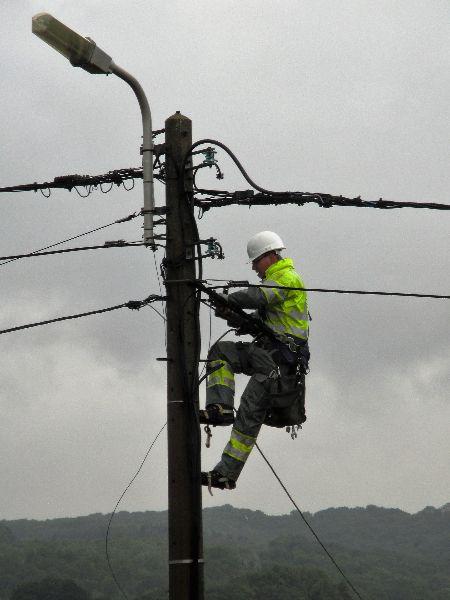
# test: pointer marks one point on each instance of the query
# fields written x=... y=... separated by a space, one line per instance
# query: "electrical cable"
x=162 y=302
x=200 y=381
x=106 y=245
x=131 y=304
x=209 y=344
x=322 y=199
x=235 y=160
x=220 y=199
x=115 y=509
x=157 y=312
x=70 y=182
x=337 y=291
x=330 y=556
x=74 y=237
x=238 y=284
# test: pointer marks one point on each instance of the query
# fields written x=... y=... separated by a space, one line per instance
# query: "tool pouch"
x=287 y=405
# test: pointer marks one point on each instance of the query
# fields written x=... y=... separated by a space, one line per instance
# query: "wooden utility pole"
x=183 y=348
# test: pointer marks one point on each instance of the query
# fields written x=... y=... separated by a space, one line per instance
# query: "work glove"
x=222 y=310
x=225 y=311
x=235 y=321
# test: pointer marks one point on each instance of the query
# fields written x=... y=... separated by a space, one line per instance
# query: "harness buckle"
x=292 y=346
x=275 y=373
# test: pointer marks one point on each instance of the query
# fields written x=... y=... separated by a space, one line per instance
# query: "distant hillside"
x=387 y=553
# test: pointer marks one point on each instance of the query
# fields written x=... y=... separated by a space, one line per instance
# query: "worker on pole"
x=276 y=359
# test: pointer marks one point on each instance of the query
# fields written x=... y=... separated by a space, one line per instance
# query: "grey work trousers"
x=228 y=358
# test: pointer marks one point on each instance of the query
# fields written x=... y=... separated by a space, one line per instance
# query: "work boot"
x=214 y=479
x=216 y=414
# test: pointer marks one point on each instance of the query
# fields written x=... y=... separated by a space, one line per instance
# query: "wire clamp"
x=134 y=304
x=114 y=243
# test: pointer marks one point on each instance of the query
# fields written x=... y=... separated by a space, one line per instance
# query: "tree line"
x=387 y=554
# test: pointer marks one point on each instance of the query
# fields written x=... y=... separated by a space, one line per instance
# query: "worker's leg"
x=224 y=362
x=250 y=416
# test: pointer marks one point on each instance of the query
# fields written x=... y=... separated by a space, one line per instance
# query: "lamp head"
x=80 y=51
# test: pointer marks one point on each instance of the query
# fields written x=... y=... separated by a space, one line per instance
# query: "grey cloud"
x=309 y=97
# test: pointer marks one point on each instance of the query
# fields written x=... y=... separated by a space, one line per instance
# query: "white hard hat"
x=263 y=242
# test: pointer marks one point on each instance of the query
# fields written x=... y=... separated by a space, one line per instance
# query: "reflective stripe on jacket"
x=284 y=311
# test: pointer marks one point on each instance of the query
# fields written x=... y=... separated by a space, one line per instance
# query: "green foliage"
x=50 y=589
x=387 y=554
x=6 y=535
x=278 y=581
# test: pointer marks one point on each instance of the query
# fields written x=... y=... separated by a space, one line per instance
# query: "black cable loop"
x=236 y=161
x=330 y=556
x=128 y=189
x=88 y=192
x=108 y=190
x=119 y=587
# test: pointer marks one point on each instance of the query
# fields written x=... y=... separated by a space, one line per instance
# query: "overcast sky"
x=346 y=98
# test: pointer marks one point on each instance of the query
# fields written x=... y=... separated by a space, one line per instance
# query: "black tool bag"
x=287 y=405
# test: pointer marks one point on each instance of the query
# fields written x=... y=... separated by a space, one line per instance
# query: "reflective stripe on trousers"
x=221 y=374
x=239 y=446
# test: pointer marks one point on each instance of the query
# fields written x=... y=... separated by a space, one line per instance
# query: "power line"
x=115 y=509
x=238 y=284
x=157 y=311
x=113 y=244
x=219 y=198
x=131 y=304
x=324 y=200
x=74 y=237
x=330 y=556
x=90 y=182
x=337 y=291
x=72 y=182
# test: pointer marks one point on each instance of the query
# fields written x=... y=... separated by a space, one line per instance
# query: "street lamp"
x=83 y=52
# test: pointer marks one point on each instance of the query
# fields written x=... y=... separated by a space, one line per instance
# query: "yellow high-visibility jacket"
x=284 y=311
